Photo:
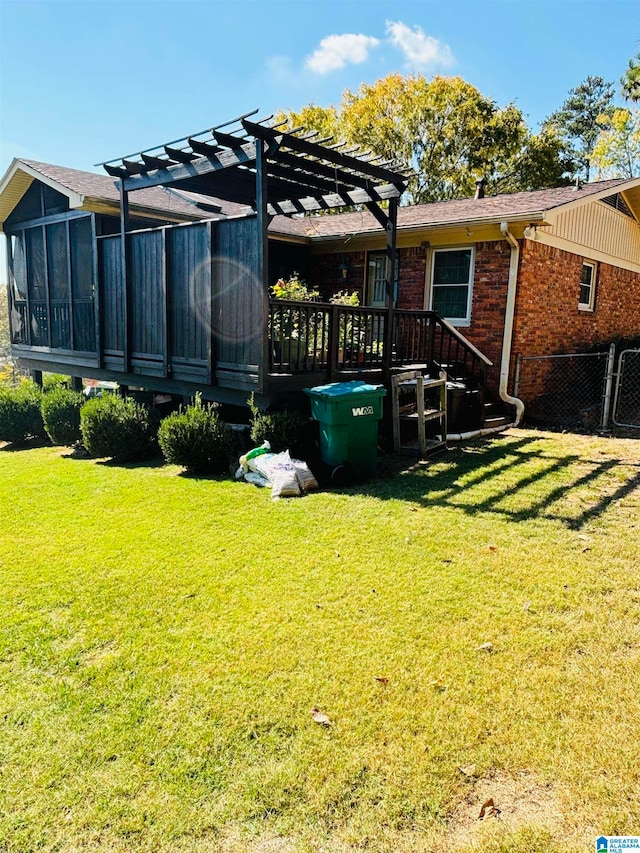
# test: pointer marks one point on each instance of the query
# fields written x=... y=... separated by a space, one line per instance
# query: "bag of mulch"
x=262 y=465
x=284 y=480
x=306 y=480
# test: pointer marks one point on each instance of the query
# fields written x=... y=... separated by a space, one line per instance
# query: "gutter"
x=507 y=339
x=538 y=216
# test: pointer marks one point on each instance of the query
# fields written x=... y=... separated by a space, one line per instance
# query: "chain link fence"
x=570 y=391
x=626 y=407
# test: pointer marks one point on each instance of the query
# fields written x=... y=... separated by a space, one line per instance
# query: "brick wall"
x=548 y=321
x=547 y=316
x=488 y=304
x=326 y=276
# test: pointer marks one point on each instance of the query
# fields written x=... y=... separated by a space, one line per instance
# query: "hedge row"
x=122 y=429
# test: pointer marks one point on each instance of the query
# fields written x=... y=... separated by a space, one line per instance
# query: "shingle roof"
x=104 y=187
x=453 y=212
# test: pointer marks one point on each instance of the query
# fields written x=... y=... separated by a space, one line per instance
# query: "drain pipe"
x=509 y=315
x=507 y=339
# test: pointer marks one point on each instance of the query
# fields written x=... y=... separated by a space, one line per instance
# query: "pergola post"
x=390 y=280
x=124 y=227
x=262 y=195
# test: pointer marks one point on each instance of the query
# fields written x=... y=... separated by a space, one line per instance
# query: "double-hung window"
x=586 y=300
x=452 y=283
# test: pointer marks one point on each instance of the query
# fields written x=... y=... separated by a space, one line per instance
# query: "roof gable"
x=92 y=191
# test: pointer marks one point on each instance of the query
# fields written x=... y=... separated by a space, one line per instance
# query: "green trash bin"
x=348 y=414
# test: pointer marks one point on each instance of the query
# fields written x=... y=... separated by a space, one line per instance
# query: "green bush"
x=119 y=428
x=61 y=415
x=20 y=416
x=283 y=430
x=51 y=381
x=196 y=439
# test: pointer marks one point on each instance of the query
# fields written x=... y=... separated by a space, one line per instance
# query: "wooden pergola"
x=273 y=169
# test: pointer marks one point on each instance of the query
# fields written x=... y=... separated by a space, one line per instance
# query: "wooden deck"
x=191 y=315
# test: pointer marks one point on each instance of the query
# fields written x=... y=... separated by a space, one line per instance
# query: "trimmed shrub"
x=119 y=428
x=283 y=430
x=51 y=381
x=61 y=415
x=196 y=439
x=20 y=416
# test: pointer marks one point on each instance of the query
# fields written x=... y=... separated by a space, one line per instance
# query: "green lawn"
x=164 y=639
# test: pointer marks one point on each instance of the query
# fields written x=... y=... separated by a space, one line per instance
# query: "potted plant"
x=289 y=331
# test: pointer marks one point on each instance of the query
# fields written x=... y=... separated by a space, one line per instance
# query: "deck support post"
x=76 y=383
x=124 y=227
x=262 y=195
x=390 y=281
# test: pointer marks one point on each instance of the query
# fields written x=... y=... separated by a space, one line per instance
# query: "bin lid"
x=344 y=389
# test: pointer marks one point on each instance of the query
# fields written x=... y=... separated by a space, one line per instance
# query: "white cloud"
x=419 y=49
x=337 y=51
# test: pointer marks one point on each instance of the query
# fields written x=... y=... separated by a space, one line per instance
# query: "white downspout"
x=507 y=338
x=509 y=315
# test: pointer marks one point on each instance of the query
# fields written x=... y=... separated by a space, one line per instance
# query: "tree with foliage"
x=581 y=118
x=616 y=154
x=324 y=120
x=631 y=80
x=447 y=131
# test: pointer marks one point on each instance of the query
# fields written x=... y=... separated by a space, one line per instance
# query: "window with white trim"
x=376 y=293
x=586 y=300
x=452 y=283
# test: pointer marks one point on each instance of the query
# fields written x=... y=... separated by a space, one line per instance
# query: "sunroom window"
x=451 y=284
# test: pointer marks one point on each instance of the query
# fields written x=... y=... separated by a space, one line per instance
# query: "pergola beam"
x=325 y=202
x=241 y=156
x=317 y=151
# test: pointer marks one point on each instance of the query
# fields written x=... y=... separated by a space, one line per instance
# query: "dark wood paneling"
x=145 y=260
x=238 y=321
x=189 y=287
x=112 y=285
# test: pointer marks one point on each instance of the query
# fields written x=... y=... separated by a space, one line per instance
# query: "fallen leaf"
x=485 y=647
x=468 y=769
x=337 y=553
x=488 y=809
x=492 y=548
x=319 y=717
x=382 y=679
x=413 y=509
x=437 y=684
x=527 y=605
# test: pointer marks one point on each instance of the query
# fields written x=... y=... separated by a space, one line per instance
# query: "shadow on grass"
x=29 y=444
x=514 y=480
x=150 y=462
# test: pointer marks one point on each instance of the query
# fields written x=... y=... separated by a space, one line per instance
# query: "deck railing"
x=317 y=337
x=31 y=324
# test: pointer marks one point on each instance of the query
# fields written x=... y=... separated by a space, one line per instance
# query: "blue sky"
x=83 y=82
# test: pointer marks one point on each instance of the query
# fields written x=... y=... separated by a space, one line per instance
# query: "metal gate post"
x=516 y=378
x=606 y=405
